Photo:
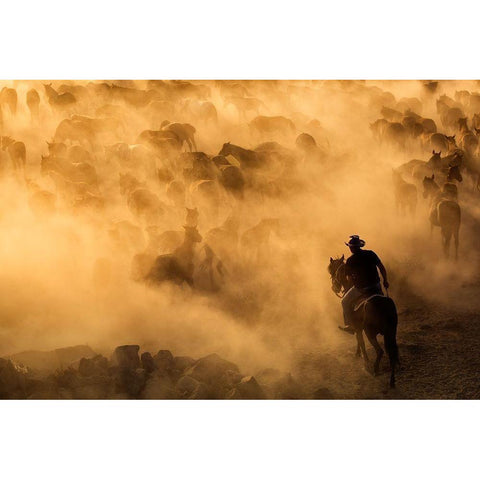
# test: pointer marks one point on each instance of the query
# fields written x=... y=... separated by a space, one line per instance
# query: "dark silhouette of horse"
x=33 y=104
x=454 y=174
x=16 y=151
x=246 y=158
x=376 y=315
x=445 y=213
x=8 y=97
x=176 y=267
x=59 y=100
x=405 y=195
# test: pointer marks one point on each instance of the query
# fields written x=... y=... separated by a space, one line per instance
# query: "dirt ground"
x=439 y=351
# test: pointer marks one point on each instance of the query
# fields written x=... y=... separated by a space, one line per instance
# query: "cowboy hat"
x=355 y=241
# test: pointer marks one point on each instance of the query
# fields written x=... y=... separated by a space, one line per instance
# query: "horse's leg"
x=373 y=340
x=456 y=242
x=447 y=236
x=361 y=344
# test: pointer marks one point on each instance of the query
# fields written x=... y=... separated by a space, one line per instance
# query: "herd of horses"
x=455 y=154
x=452 y=137
x=130 y=150
x=148 y=165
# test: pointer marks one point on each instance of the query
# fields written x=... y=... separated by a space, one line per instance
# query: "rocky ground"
x=439 y=346
x=129 y=375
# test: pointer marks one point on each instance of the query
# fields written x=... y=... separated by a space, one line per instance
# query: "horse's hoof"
x=369 y=368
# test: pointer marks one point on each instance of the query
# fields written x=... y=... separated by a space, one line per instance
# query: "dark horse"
x=377 y=315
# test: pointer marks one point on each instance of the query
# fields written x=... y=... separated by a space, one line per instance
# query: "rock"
x=214 y=370
x=12 y=380
x=148 y=363
x=52 y=360
x=247 y=389
x=217 y=373
x=97 y=365
x=68 y=379
x=164 y=361
x=68 y=355
x=131 y=382
x=95 y=387
x=180 y=364
x=323 y=393
x=189 y=388
x=126 y=357
x=159 y=388
x=43 y=389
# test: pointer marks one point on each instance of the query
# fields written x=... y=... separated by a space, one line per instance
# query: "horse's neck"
x=236 y=150
x=51 y=93
x=186 y=250
x=342 y=277
x=434 y=192
x=399 y=181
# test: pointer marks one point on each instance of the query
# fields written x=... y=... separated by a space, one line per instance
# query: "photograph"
x=239 y=239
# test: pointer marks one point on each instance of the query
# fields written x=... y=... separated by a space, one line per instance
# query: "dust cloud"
x=68 y=254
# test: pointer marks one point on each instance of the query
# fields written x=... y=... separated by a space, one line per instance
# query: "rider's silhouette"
x=361 y=269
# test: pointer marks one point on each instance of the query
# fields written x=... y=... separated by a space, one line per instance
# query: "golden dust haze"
x=66 y=269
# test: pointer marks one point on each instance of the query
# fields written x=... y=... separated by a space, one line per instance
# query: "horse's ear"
x=433 y=151
x=331 y=260
x=433 y=176
x=343 y=258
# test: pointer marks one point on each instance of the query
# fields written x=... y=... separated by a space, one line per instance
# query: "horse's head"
x=57 y=148
x=192 y=234
x=454 y=173
x=429 y=186
x=336 y=271
x=225 y=149
x=436 y=159
x=451 y=140
x=192 y=216
x=45 y=164
x=462 y=123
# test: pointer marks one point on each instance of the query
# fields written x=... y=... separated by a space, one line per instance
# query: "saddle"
x=364 y=300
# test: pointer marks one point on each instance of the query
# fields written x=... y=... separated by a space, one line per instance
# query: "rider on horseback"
x=361 y=269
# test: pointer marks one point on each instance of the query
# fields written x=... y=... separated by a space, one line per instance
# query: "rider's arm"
x=383 y=271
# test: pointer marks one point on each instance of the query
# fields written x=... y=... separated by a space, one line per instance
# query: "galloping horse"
x=376 y=315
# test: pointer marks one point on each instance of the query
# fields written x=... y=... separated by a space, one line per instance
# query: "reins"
x=338 y=295
x=334 y=279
